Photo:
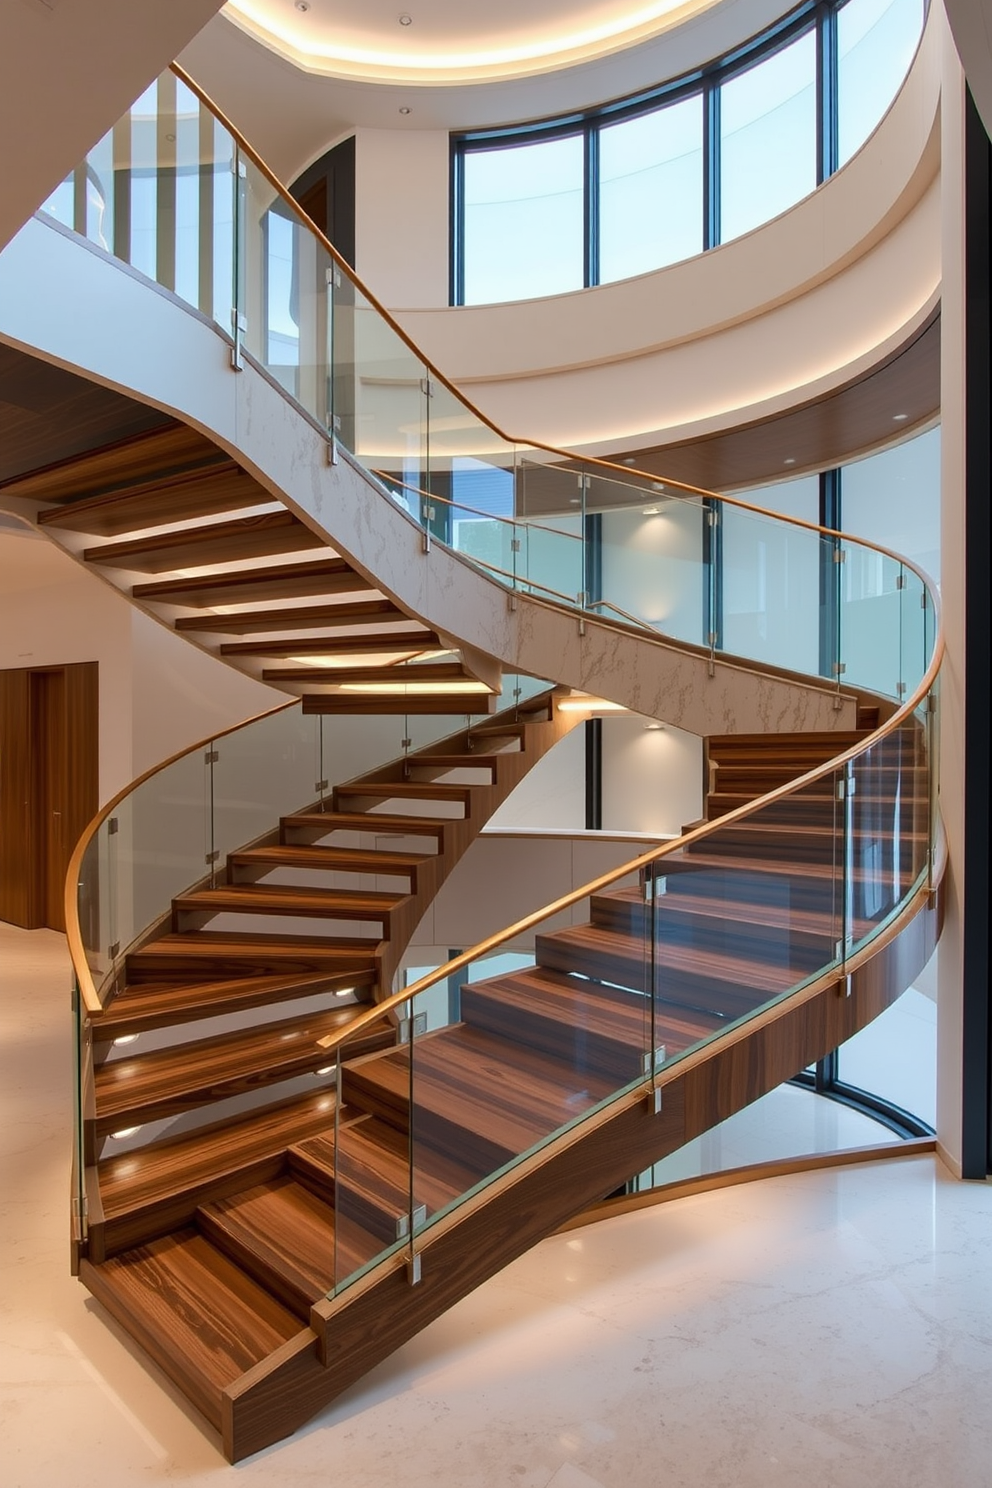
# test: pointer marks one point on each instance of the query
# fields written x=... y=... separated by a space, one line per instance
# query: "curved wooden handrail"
x=88 y=993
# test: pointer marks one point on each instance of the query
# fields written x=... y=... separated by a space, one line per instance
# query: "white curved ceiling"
x=452 y=41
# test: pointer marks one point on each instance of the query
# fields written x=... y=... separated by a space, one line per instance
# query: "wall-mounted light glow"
x=655 y=728
x=591 y=705
x=650 y=511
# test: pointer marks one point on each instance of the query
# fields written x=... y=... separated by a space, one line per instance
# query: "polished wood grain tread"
x=307 y=617
x=332 y=859
x=724 y=916
x=415 y=638
x=317 y=576
x=585 y=1024
x=367 y=1167
x=220 y=542
x=253 y=955
x=404 y=790
x=202 y=1319
x=170 y=446
x=142 y=1006
x=392 y=676
x=437 y=705
x=167 y=1082
x=176 y=1173
x=287 y=899
x=390 y=824
x=695 y=977
x=480 y=1099
x=289 y=1240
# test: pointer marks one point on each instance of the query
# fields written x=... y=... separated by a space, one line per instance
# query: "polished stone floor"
x=831 y=1329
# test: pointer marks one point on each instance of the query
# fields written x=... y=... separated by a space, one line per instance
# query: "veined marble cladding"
x=651 y=676
x=70 y=304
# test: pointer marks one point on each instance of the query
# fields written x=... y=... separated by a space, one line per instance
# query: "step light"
x=126 y=1038
x=125 y=1131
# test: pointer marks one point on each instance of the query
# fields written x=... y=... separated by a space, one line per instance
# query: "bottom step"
x=202 y=1320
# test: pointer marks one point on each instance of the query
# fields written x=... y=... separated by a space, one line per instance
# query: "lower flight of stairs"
x=223 y=1277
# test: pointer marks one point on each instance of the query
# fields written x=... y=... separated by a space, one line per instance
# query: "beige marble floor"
x=828 y=1329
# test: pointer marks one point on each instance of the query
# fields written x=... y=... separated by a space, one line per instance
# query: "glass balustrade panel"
x=652 y=565
x=551 y=551
x=914 y=648
x=749 y=912
x=487 y=1064
x=161 y=844
x=772 y=575
x=288 y=285
x=870 y=605
x=262 y=772
x=888 y=818
x=469 y=482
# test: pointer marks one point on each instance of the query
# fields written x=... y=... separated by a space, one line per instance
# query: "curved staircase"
x=300 y=1167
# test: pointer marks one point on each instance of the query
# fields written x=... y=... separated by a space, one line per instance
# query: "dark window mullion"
x=457 y=225
x=711 y=165
x=591 y=214
x=827 y=131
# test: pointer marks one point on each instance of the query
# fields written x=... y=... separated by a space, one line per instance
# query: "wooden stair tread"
x=374 y=1158
x=170 y=445
x=318 y=576
x=491 y=1099
x=389 y=677
x=370 y=821
x=256 y=955
x=141 y=1006
x=204 y=490
x=335 y=645
x=201 y=1318
x=343 y=859
x=166 y=1082
x=309 y=617
x=708 y=978
x=436 y=704
x=583 y=1023
x=198 y=1160
x=288 y=899
x=288 y=1239
x=220 y=542
x=413 y=790
x=760 y=916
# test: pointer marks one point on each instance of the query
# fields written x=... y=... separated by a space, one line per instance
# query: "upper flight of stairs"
x=185 y=532
x=247 y=1256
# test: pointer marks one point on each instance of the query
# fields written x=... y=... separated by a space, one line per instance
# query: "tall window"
x=638 y=184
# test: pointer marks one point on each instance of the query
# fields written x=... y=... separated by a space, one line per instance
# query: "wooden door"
x=51 y=759
x=48 y=785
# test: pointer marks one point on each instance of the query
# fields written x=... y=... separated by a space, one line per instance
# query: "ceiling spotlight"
x=899 y=418
x=405 y=110
x=406 y=20
x=654 y=728
x=302 y=6
x=789 y=461
x=171 y=138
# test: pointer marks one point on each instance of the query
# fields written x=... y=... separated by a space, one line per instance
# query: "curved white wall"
x=785 y=314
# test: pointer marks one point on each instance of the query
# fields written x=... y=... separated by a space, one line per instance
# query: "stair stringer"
x=355 y=1331
x=81 y=291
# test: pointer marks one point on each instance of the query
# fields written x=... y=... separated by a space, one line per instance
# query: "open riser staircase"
x=284 y=1182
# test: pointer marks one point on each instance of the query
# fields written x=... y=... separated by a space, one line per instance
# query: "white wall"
x=401 y=215
x=158 y=694
x=652 y=782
